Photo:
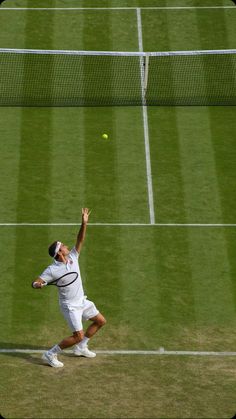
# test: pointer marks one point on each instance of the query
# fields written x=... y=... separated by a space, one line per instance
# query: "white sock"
x=55 y=349
x=84 y=342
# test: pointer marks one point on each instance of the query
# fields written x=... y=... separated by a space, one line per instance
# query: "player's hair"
x=52 y=249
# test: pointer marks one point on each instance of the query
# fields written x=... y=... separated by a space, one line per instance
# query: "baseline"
x=160 y=351
x=115 y=225
x=120 y=8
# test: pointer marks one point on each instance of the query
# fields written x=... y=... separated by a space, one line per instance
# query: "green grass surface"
x=133 y=386
x=193 y=176
x=157 y=286
x=114 y=3
x=182 y=279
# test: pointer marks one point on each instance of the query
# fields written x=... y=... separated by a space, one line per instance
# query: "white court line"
x=145 y=125
x=119 y=8
x=160 y=351
x=115 y=225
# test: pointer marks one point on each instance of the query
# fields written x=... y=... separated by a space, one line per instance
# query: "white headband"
x=57 y=249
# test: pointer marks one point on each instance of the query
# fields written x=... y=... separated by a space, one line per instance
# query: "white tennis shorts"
x=75 y=315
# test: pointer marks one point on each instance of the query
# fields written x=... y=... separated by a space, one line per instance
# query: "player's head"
x=54 y=249
x=57 y=249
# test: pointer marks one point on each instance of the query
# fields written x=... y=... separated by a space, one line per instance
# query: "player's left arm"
x=82 y=232
x=43 y=279
x=38 y=283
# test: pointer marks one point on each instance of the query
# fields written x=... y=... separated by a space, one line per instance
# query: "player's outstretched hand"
x=85 y=215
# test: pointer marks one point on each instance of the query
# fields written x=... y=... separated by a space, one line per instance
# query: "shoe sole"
x=85 y=356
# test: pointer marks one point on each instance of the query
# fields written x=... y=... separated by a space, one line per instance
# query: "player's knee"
x=101 y=321
x=78 y=336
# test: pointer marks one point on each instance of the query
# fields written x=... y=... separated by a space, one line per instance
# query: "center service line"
x=145 y=124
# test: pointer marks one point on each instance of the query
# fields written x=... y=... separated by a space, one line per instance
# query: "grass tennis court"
x=161 y=271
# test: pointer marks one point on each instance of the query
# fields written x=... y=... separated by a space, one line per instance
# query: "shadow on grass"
x=32 y=359
x=15 y=345
x=28 y=357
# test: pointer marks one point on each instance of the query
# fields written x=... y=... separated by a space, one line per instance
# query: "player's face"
x=64 y=249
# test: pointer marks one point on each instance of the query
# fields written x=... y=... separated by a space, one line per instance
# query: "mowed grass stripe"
x=136 y=277
x=10 y=131
x=211 y=277
x=9 y=170
x=34 y=179
x=222 y=122
x=191 y=164
x=100 y=155
x=210 y=269
x=108 y=171
x=194 y=23
x=131 y=186
x=88 y=32
x=68 y=176
x=12 y=35
x=222 y=35
x=7 y=252
x=175 y=311
x=199 y=176
x=223 y=125
x=163 y=40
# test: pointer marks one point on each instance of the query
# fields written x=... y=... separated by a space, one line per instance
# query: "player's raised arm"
x=82 y=231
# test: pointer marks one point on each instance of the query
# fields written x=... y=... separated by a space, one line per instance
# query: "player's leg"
x=74 y=319
x=90 y=312
x=72 y=340
x=98 y=321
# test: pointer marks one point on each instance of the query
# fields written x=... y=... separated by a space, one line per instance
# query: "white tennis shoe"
x=52 y=360
x=78 y=351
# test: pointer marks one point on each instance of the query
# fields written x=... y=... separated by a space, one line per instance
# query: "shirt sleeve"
x=46 y=275
x=74 y=254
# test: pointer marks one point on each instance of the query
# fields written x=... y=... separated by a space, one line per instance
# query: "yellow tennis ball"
x=105 y=136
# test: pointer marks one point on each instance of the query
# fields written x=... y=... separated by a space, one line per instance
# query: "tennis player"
x=73 y=303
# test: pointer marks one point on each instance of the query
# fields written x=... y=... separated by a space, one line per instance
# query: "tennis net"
x=98 y=78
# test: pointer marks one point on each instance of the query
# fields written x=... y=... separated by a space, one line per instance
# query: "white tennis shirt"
x=73 y=294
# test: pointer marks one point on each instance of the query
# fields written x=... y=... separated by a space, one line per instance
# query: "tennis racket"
x=65 y=280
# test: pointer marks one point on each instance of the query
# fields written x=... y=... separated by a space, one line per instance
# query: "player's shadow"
x=32 y=358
